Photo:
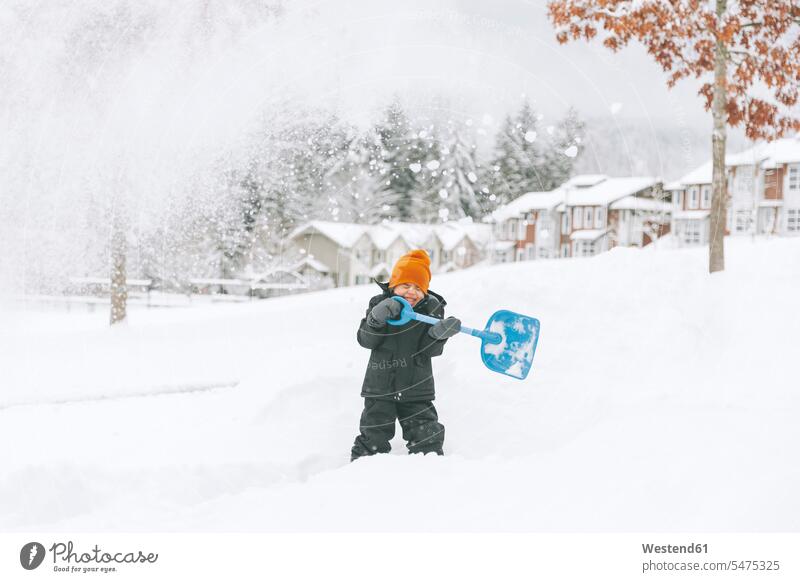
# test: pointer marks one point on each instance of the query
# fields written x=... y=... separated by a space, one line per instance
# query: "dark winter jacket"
x=399 y=365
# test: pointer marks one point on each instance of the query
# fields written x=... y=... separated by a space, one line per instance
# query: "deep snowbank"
x=660 y=399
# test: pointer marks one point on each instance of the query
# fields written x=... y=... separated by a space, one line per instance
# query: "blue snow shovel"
x=508 y=341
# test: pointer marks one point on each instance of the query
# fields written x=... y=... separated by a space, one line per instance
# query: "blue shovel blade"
x=513 y=356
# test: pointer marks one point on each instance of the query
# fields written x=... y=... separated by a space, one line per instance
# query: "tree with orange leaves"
x=738 y=46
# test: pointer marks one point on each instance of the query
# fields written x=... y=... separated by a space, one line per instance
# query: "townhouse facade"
x=763 y=194
x=589 y=214
x=354 y=254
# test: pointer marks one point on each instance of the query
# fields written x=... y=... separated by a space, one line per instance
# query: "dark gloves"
x=445 y=328
x=383 y=311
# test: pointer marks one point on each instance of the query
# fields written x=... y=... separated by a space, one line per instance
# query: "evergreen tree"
x=360 y=189
x=456 y=183
x=564 y=145
x=518 y=156
x=400 y=152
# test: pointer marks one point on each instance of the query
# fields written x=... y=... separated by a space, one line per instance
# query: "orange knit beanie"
x=413 y=267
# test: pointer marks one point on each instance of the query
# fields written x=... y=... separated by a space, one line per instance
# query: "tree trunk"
x=119 y=285
x=719 y=198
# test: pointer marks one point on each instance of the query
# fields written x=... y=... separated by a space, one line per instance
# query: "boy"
x=399 y=381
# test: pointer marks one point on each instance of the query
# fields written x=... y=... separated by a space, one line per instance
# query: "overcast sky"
x=483 y=57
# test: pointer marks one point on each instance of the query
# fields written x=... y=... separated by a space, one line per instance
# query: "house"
x=589 y=223
x=588 y=214
x=354 y=254
x=528 y=227
x=763 y=194
x=764 y=189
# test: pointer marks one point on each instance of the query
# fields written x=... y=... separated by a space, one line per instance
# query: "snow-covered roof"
x=383 y=235
x=700 y=175
x=766 y=154
x=676 y=185
x=770 y=203
x=587 y=234
x=780 y=151
x=691 y=214
x=450 y=235
x=378 y=269
x=639 y=203
x=528 y=202
x=344 y=234
x=502 y=245
x=608 y=191
x=312 y=263
x=585 y=180
x=479 y=232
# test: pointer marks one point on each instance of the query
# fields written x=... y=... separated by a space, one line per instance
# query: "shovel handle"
x=408 y=313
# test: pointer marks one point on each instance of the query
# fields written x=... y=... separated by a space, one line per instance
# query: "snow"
x=586 y=180
x=502 y=245
x=766 y=154
x=342 y=233
x=312 y=263
x=691 y=214
x=700 y=175
x=647 y=409
x=383 y=235
x=589 y=234
x=450 y=235
x=498 y=348
x=639 y=203
x=528 y=202
x=609 y=190
x=378 y=269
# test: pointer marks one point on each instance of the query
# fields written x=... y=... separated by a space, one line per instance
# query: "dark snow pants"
x=420 y=423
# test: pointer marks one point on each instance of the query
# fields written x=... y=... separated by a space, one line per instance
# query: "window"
x=565 y=222
x=793 y=220
x=512 y=229
x=588 y=217
x=743 y=219
x=543 y=252
x=577 y=221
x=584 y=248
x=531 y=252
x=520 y=254
x=693 y=197
x=692 y=231
x=679 y=199
x=794 y=177
x=743 y=180
x=565 y=250
x=599 y=218
x=522 y=226
x=706 y=197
